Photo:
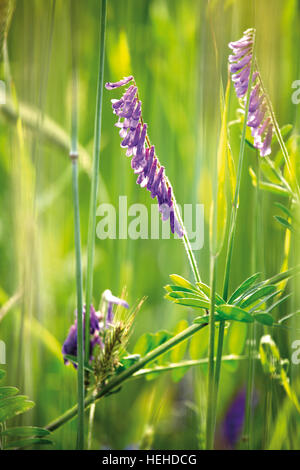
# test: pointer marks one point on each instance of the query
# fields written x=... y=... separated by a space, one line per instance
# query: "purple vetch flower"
x=111 y=301
x=98 y=327
x=258 y=117
x=234 y=419
x=70 y=344
x=145 y=164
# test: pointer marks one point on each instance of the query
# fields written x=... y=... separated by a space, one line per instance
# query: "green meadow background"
x=177 y=51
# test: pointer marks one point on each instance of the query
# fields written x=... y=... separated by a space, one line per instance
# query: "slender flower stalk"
x=74 y=159
x=95 y=177
x=144 y=161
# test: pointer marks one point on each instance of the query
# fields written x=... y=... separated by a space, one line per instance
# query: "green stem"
x=74 y=158
x=232 y=230
x=210 y=416
x=80 y=348
x=187 y=244
x=94 y=185
x=250 y=386
x=280 y=138
x=118 y=380
x=268 y=415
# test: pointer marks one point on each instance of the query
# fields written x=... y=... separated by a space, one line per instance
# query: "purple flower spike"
x=258 y=117
x=145 y=164
x=111 y=86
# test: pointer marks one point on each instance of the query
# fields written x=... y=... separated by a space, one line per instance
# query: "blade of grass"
x=95 y=178
x=74 y=159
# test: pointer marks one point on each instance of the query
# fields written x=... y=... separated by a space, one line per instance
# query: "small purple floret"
x=124 y=81
x=111 y=301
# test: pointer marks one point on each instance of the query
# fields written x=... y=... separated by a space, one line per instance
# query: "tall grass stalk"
x=232 y=230
x=74 y=159
x=210 y=416
x=95 y=178
x=253 y=329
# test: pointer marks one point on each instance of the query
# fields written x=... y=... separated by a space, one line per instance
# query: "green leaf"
x=257 y=295
x=180 y=281
x=149 y=341
x=232 y=312
x=249 y=144
x=264 y=318
x=13 y=406
x=285 y=130
x=8 y=391
x=262 y=304
x=218 y=220
x=183 y=295
x=171 y=288
x=194 y=303
x=288 y=274
x=270 y=187
x=276 y=304
x=284 y=222
x=244 y=287
x=25 y=431
x=206 y=318
x=128 y=361
x=284 y=209
x=207 y=292
x=2 y=374
x=74 y=359
x=28 y=443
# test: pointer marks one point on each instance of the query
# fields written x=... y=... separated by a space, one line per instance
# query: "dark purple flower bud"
x=156 y=182
x=172 y=221
x=152 y=174
x=124 y=81
x=70 y=344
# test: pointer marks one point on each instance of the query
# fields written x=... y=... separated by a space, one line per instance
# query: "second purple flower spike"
x=259 y=119
x=144 y=162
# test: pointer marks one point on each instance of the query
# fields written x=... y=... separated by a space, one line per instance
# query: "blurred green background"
x=168 y=45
